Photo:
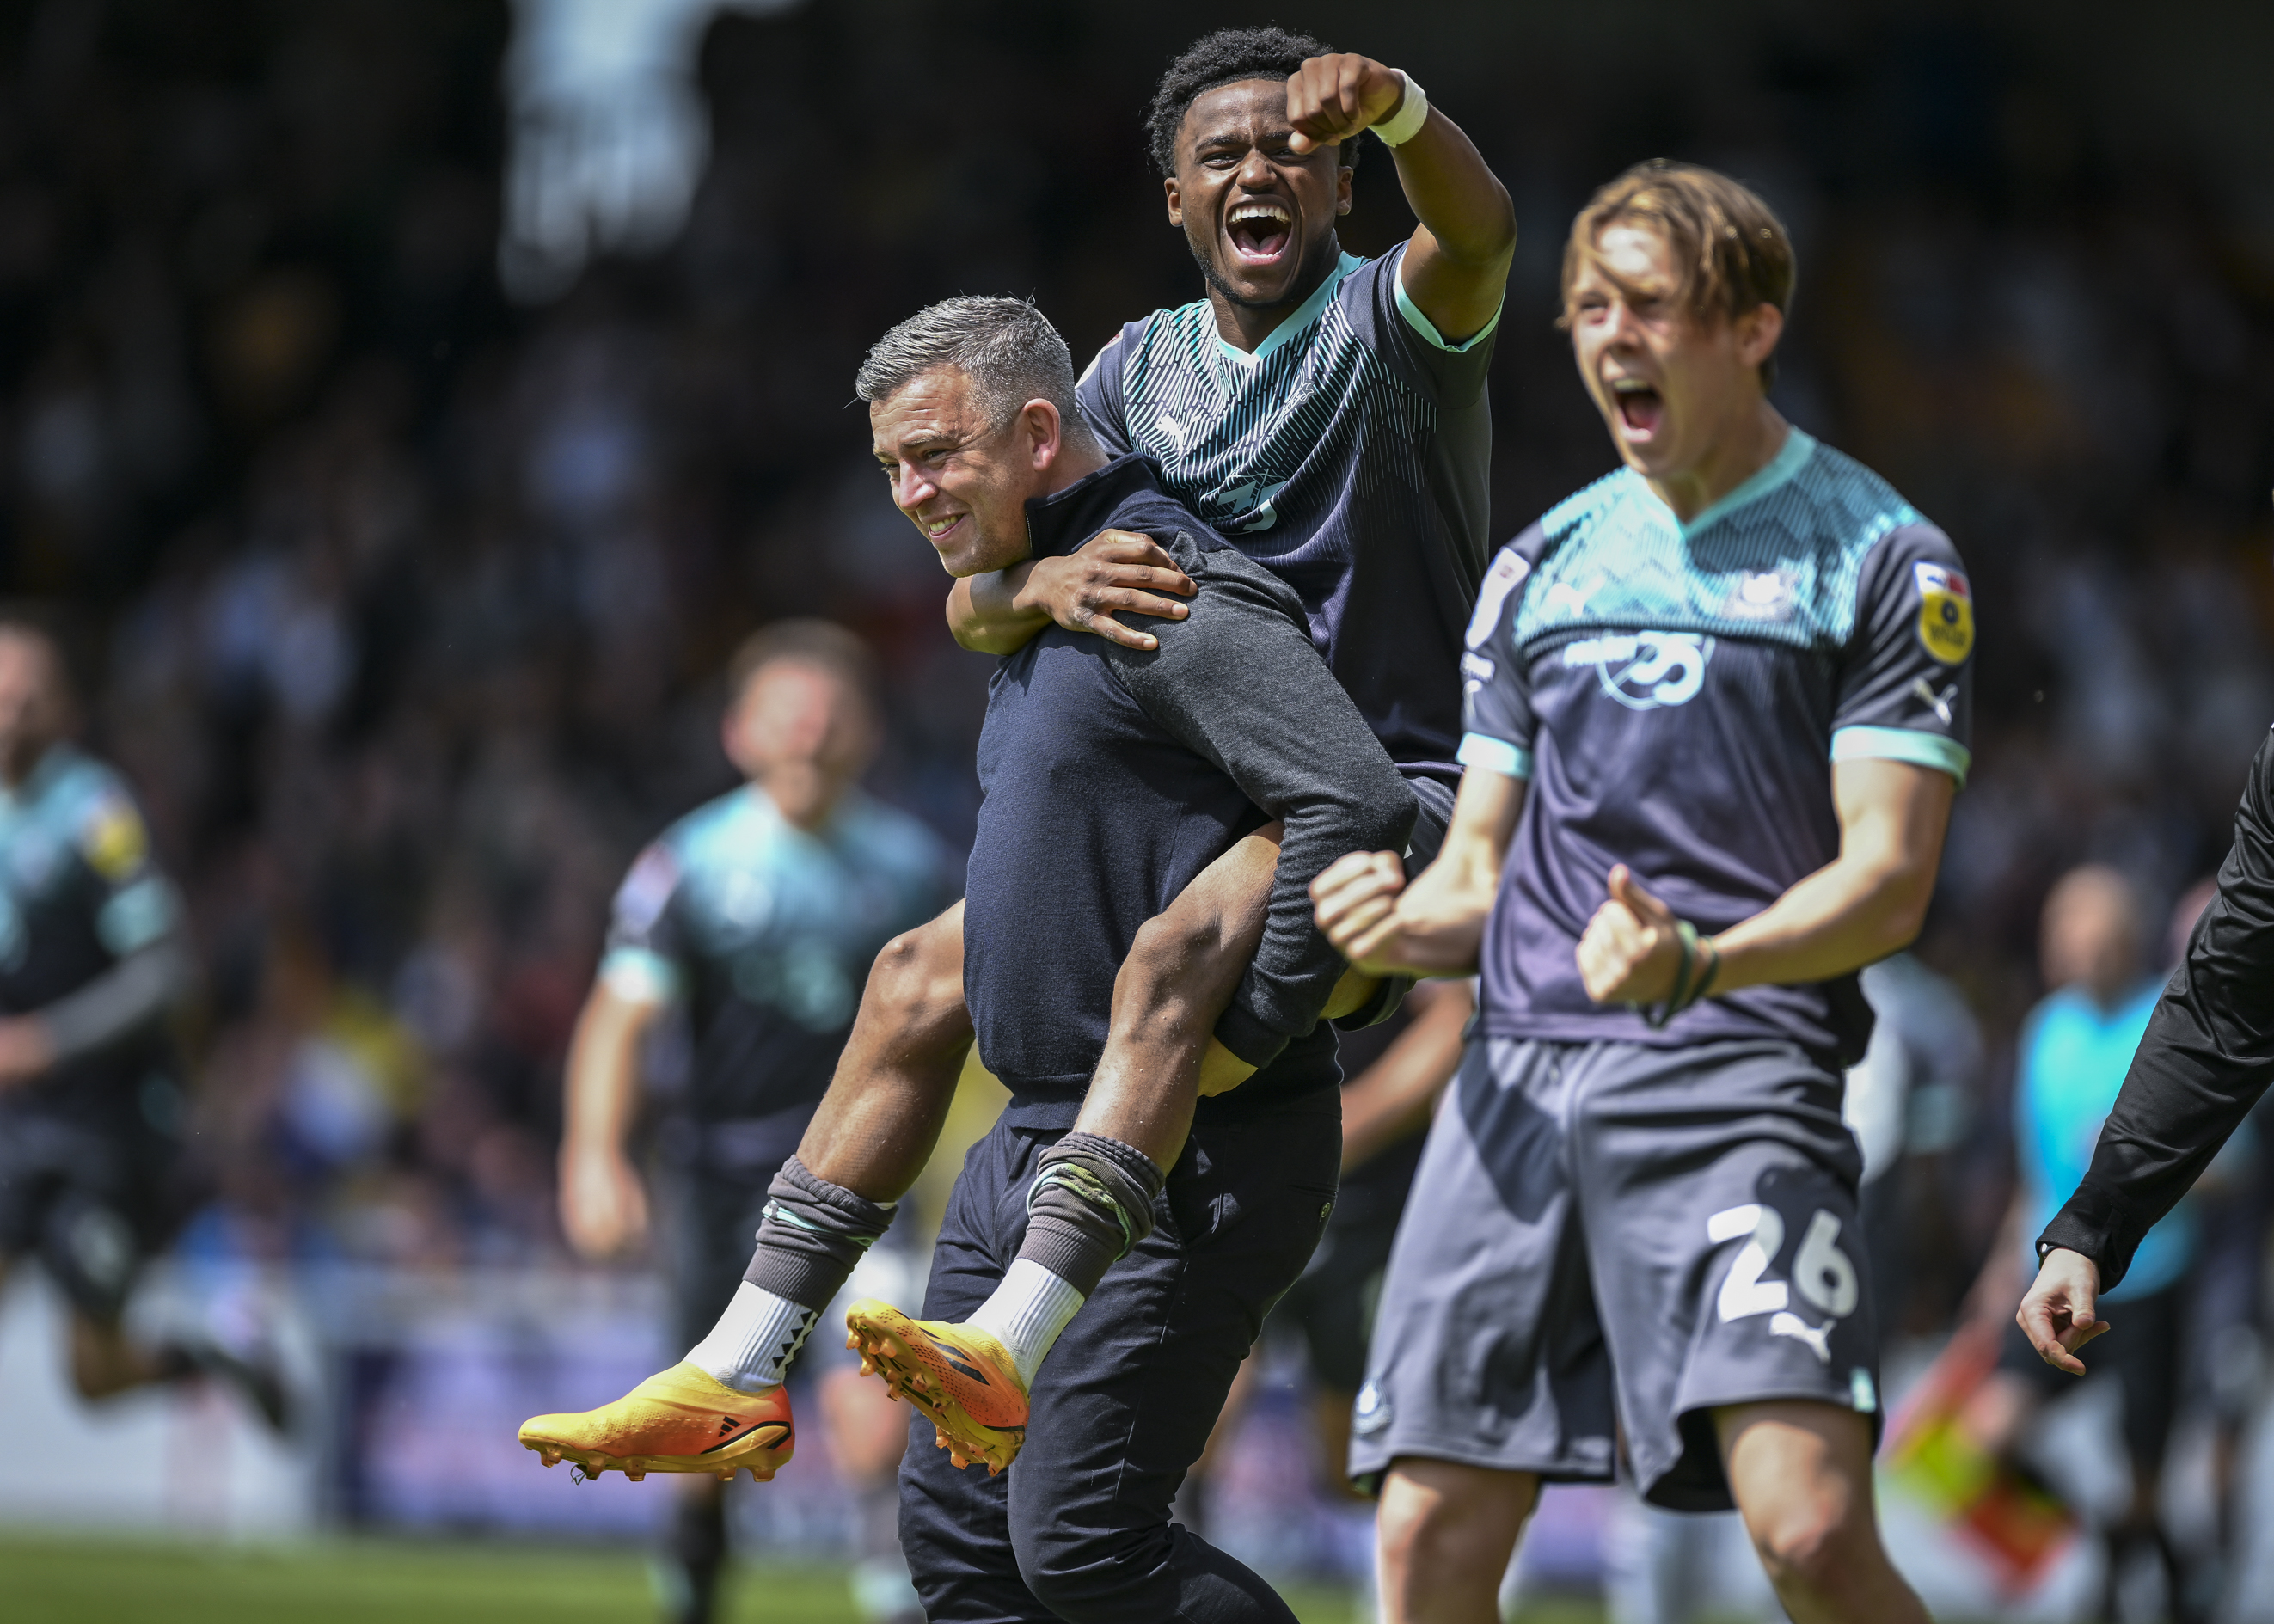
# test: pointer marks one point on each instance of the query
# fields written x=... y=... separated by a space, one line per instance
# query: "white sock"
x=1026 y=1312
x=751 y=1346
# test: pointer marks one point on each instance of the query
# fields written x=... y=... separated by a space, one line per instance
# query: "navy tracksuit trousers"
x=1078 y=1529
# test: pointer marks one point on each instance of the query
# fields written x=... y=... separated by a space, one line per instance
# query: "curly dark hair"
x=1224 y=57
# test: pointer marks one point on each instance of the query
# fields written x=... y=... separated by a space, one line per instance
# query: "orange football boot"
x=962 y=1378
x=681 y=1420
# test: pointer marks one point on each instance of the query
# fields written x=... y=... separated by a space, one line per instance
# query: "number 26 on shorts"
x=1822 y=1273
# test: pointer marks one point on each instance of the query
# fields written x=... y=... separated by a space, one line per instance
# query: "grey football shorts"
x=1612 y=1239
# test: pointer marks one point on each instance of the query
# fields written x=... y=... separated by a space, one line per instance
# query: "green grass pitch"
x=70 y=1579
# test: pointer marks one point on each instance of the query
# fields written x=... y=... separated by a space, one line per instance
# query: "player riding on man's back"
x=1368 y=502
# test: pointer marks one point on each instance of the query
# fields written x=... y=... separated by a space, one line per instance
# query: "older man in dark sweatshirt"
x=1113 y=776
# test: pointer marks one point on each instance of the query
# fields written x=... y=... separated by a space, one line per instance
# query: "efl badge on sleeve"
x=1946 y=622
x=113 y=839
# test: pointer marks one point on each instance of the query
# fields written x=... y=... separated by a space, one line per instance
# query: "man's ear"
x=1045 y=435
x=1343 y=174
x=1757 y=332
x=1176 y=201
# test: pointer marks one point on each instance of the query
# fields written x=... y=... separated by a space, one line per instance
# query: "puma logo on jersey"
x=1819 y=1338
x=1939 y=704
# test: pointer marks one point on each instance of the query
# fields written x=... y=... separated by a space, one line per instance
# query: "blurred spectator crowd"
x=402 y=605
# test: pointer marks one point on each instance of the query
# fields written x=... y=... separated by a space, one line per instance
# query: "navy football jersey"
x=1677 y=694
x=1350 y=455
x=767 y=931
x=79 y=891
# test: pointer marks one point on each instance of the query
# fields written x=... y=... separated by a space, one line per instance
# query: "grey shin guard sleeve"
x=813 y=1234
x=1090 y=1203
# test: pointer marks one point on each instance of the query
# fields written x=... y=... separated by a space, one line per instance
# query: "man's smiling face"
x=1259 y=217
x=961 y=479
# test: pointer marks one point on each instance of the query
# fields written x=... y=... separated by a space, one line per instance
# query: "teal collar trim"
x=1799 y=446
x=1305 y=314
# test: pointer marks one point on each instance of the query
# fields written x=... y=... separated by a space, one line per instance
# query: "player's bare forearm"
x=1456 y=268
x=1868 y=902
x=1391 y=1098
x=1113 y=572
x=1434 y=925
x=603 y=1080
x=983 y=614
x=603 y=1208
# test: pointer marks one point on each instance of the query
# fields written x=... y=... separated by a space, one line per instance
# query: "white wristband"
x=1403 y=125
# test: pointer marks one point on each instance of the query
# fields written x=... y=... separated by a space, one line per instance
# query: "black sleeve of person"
x=1241 y=685
x=2207 y=1057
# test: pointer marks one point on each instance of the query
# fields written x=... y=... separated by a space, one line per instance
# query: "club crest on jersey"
x=1763 y=594
x=1945 y=621
x=1644 y=671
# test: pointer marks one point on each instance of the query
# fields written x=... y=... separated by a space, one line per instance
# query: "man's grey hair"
x=1007 y=348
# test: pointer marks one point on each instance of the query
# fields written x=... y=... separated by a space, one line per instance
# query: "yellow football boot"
x=681 y=1420
x=962 y=1378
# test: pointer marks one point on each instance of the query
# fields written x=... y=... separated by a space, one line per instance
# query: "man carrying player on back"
x=1326 y=415
x=1716 y=708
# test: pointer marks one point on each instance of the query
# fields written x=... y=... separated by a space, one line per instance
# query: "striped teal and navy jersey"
x=1676 y=694
x=1349 y=454
x=767 y=931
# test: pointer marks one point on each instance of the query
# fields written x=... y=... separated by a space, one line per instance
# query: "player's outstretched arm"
x=1434 y=925
x=2058 y=1315
x=1865 y=904
x=1000 y=612
x=1456 y=268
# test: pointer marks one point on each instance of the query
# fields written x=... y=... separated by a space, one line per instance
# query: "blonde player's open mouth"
x=1261 y=231
x=937 y=530
x=1641 y=407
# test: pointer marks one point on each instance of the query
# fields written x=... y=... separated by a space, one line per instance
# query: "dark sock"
x=1090 y=1203
x=696 y=1551
x=812 y=1234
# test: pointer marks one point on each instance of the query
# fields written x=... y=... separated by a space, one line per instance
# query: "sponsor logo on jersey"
x=1644 y=671
x=1946 y=619
x=1371 y=1413
x=1506 y=574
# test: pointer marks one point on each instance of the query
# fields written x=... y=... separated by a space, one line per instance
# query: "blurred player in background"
x=758 y=915
x=1725 y=691
x=1330 y=415
x=92 y=964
